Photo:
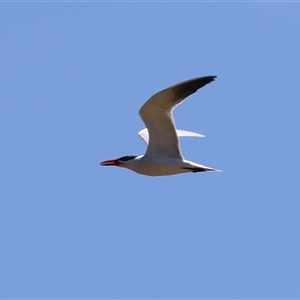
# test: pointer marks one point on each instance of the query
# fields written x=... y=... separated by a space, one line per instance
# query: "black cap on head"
x=126 y=158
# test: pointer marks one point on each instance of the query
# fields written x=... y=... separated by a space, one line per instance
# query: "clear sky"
x=73 y=77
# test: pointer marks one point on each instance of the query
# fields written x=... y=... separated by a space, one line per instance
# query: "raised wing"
x=144 y=134
x=157 y=116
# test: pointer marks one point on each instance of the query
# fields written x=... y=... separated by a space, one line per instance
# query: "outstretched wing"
x=157 y=116
x=144 y=134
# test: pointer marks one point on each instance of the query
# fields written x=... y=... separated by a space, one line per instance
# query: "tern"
x=163 y=155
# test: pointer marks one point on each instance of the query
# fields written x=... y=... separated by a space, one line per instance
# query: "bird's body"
x=164 y=166
x=163 y=156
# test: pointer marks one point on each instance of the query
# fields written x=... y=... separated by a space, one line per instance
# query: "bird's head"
x=119 y=162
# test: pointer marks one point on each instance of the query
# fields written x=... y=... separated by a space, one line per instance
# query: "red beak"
x=110 y=162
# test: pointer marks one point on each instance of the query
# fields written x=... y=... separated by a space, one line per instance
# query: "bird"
x=163 y=156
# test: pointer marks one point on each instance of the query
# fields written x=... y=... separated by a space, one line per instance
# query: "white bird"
x=163 y=156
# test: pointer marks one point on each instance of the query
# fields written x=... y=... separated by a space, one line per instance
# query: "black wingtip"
x=184 y=89
x=209 y=78
x=199 y=169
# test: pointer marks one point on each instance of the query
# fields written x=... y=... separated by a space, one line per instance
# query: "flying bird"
x=163 y=156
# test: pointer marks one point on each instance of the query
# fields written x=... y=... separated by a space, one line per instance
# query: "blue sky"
x=73 y=77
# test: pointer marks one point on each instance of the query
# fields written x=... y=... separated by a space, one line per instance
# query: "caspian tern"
x=163 y=156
